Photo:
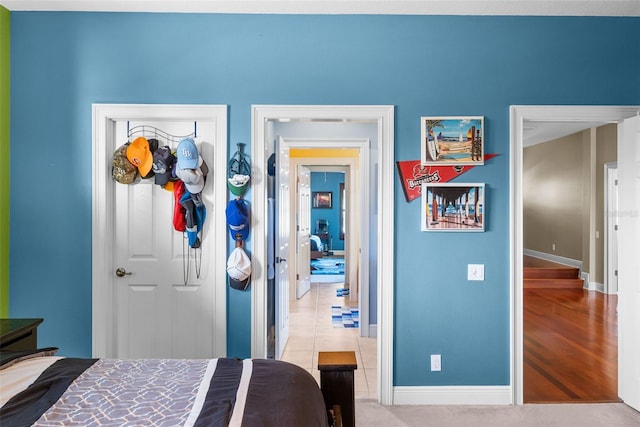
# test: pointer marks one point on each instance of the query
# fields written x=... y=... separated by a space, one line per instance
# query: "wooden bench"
x=337 y=383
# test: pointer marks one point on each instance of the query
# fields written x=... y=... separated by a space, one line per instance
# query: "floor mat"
x=345 y=317
x=327 y=278
x=342 y=292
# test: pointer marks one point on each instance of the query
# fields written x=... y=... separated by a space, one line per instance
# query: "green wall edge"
x=5 y=47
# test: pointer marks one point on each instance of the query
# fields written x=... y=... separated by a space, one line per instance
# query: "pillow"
x=8 y=358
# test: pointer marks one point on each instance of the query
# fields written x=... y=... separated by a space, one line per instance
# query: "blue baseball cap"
x=238 y=219
x=187 y=154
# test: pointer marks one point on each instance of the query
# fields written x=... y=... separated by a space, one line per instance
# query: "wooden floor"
x=570 y=346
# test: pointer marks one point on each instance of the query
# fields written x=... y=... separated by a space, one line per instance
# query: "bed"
x=317 y=248
x=40 y=389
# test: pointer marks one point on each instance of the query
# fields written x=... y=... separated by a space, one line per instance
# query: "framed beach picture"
x=452 y=140
x=453 y=207
x=322 y=199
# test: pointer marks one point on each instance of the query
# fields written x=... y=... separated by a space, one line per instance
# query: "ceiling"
x=394 y=7
x=534 y=132
x=541 y=131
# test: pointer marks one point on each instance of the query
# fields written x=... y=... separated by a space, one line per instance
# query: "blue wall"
x=61 y=63
x=328 y=181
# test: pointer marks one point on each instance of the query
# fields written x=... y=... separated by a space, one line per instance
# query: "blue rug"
x=342 y=292
x=327 y=266
x=345 y=317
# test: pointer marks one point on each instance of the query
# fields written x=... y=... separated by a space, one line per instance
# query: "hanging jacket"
x=179 y=219
x=194 y=214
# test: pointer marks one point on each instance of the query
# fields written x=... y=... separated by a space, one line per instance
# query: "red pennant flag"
x=413 y=174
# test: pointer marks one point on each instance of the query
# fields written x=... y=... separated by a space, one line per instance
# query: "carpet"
x=327 y=266
x=371 y=414
x=345 y=317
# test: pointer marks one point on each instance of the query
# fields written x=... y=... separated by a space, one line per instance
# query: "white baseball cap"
x=239 y=269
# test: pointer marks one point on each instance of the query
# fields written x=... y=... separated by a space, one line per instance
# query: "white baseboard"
x=594 y=286
x=585 y=276
x=554 y=258
x=373 y=331
x=453 y=395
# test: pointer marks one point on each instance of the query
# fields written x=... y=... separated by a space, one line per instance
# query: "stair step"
x=554 y=283
x=544 y=274
x=551 y=273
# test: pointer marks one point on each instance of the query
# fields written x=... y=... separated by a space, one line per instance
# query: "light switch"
x=475 y=272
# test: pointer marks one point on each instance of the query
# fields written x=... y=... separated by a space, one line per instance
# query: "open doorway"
x=323 y=302
x=521 y=116
x=566 y=310
x=336 y=216
x=334 y=122
x=328 y=261
x=293 y=206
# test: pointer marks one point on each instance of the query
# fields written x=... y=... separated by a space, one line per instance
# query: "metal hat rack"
x=240 y=162
x=152 y=131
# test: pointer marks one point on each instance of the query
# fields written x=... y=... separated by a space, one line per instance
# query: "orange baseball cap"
x=140 y=155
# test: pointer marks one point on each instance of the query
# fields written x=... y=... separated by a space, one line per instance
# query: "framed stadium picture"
x=452 y=140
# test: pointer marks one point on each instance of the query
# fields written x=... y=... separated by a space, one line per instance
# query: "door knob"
x=279 y=260
x=121 y=272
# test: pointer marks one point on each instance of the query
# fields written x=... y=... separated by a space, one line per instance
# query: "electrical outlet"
x=475 y=272
x=436 y=365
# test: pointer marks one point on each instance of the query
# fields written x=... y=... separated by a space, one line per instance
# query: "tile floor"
x=311 y=331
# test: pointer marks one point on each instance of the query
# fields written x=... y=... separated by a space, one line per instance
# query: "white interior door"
x=164 y=305
x=303 y=231
x=628 y=266
x=283 y=222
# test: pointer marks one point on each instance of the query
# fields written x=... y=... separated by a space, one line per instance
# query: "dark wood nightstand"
x=19 y=334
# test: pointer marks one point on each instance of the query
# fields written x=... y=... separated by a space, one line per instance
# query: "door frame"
x=104 y=118
x=611 y=222
x=383 y=116
x=282 y=245
x=518 y=115
x=356 y=177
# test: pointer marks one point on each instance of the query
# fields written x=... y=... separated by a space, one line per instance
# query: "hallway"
x=311 y=330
